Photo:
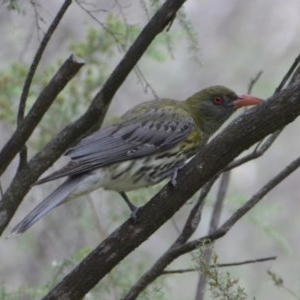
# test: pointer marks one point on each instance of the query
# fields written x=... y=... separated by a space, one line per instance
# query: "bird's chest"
x=142 y=172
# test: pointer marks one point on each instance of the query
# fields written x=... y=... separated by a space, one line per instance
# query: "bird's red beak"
x=246 y=100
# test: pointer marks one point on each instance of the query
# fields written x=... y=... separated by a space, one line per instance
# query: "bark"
x=248 y=129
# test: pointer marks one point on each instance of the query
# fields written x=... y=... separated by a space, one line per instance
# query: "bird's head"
x=212 y=106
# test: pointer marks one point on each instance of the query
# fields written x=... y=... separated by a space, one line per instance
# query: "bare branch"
x=92 y=119
x=239 y=213
x=211 y=159
x=262 y=147
x=1 y=190
x=296 y=74
x=189 y=228
x=194 y=217
x=288 y=74
x=122 y=48
x=31 y=72
x=254 y=81
x=37 y=17
x=259 y=150
x=65 y=73
x=214 y=223
x=177 y=251
x=234 y=264
x=221 y=195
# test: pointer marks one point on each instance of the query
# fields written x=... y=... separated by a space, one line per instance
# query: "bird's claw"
x=173 y=178
x=134 y=209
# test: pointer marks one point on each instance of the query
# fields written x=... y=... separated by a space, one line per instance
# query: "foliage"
x=189 y=34
x=98 y=49
x=12 y=5
x=221 y=285
x=279 y=282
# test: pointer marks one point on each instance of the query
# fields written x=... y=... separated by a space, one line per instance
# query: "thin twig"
x=194 y=217
x=37 y=18
x=239 y=213
x=31 y=72
x=214 y=223
x=259 y=150
x=122 y=48
x=1 y=190
x=253 y=81
x=224 y=265
x=279 y=282
x=288 y=74
x=189 y=228
x=57 y=83
x=220 y=198
x=296 y=75
x=262 y=147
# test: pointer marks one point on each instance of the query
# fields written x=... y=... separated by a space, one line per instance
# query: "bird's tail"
x=57 y=197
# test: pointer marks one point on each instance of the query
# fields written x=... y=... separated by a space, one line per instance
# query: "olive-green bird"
x=148 y=144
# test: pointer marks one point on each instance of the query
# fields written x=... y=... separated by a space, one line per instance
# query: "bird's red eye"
x=218 y=100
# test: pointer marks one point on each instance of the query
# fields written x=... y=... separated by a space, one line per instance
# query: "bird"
x=148 y=144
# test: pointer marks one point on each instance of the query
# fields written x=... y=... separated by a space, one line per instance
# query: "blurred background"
x=228 y=43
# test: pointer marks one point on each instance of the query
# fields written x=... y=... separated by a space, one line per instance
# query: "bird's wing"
x=134 y=138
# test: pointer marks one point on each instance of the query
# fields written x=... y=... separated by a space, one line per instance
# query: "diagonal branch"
x=222 y=230
x=224 y=265
x=248 y=129
x=239 y=213
x=291 y=76
x=92 y=118
x=31 y=72
x=15 y=144
x=25 y=128
x=37 y=59
x=189 y=228
x=259 y=150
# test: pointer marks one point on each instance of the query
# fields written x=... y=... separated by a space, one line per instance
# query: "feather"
x=131 y=138
x=56 y=198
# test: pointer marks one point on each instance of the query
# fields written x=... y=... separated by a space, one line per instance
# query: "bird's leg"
x=131 y=206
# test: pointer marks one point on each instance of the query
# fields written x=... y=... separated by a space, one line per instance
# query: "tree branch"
x=25 y=128
x=92 y=118
x=189 y=228
x=214 y=223
x=291 y=76
x=31 y=72
x=253 y=81
x=259 y=150
x=248 y=129
x=224 y=265
x=218 y=233
x=239 y=213
x=37 y=58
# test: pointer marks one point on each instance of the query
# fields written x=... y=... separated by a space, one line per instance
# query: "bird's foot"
x=133 y=208
x=133 y=216
x=174 y=176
